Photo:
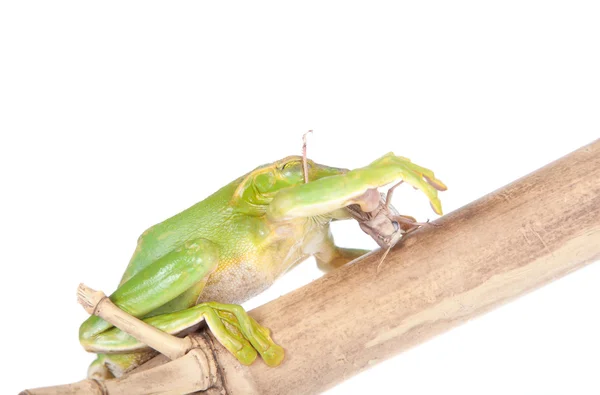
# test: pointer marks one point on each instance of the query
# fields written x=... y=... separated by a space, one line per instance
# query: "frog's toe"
x=270 y=352
x=273 y=355
x=246 y=355
x=237 y=345
x=242 y=335
x=98 y=370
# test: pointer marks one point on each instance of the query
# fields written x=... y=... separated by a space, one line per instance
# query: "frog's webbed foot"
x=231 y=326
x=390 y=168
x=237 y=331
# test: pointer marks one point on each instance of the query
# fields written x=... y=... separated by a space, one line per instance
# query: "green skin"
x=232 y=246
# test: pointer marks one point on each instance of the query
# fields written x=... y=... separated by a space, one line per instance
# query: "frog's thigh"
x=154 y=286
x=329 y=256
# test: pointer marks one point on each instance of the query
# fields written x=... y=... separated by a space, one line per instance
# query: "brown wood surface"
x=489 y=252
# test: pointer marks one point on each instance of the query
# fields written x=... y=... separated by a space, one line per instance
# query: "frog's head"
x=289 y=172
x=257 y=188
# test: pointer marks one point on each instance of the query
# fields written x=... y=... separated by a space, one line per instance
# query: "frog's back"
x=198 y=221
x=234 y=219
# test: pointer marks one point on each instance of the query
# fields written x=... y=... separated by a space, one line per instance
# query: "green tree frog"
x=201 y=263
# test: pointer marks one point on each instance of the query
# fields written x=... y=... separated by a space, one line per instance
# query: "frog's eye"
x=290 y=165
x=291 y=173
x=295 y=166
x=264 y=181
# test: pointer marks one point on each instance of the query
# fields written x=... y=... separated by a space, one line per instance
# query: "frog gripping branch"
x=199 y=364
x=198 y=265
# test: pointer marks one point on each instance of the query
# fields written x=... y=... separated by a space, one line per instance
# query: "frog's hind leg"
x=115 y=365
x=230 y=324
x=165 y=284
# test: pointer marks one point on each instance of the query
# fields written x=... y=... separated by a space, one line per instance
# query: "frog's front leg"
x=328 y=194
x=330 y=197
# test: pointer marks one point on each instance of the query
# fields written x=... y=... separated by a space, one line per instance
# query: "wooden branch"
x=533 y=231
x=495 y=249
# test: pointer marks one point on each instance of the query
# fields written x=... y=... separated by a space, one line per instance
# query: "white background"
x=117 y=115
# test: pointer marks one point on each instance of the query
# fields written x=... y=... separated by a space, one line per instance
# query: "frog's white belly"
x=235 y=284
x=239 y=282
x=289 y=244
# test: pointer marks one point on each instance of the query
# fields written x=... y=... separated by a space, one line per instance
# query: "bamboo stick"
x=97 y=303
x=196 y=370
x=495 y=249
